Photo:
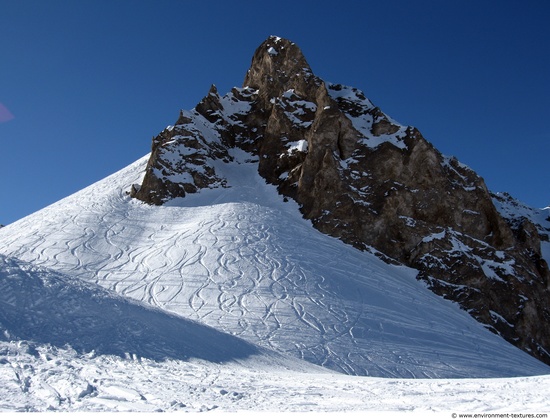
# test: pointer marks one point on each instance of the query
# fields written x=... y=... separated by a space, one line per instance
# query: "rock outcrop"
x=362 y=177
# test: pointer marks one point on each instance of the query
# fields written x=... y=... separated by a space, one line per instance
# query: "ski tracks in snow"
x=225 y=265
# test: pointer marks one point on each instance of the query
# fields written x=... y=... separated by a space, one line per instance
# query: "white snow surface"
x=42 y=378
x=227 y=299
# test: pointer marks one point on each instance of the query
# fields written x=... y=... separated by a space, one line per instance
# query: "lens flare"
x=5 y=114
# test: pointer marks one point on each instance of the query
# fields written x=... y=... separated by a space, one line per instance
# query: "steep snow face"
x=242 y=260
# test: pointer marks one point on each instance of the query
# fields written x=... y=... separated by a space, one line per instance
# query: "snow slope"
x=243 y=261
x=88 y=349
x=69 y=345
x=49 y=308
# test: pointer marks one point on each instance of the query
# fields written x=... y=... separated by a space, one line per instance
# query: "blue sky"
x=85 y=85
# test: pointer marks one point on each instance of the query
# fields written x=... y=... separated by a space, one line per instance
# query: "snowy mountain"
x=362 y=177
x=224 y=295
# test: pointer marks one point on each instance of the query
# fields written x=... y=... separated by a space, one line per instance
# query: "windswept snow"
x=243 y=261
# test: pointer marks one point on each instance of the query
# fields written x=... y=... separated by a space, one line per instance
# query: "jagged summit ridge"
x=362 y=177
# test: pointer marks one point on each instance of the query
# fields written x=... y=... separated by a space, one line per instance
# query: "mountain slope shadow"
x=51 y=308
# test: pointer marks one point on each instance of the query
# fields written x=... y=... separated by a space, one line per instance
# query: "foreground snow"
x=39 y=378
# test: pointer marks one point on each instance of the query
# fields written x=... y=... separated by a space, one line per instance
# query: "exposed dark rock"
x=182 y=161
x=366 y=179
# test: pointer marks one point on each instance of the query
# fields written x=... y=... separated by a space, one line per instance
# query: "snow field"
x=54 y=379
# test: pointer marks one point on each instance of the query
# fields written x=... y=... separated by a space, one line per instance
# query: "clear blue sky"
x=86 y=84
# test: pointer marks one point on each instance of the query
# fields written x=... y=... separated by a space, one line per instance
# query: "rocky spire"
x=278 y=65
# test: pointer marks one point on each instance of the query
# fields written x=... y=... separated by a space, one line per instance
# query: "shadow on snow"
x=47 y=307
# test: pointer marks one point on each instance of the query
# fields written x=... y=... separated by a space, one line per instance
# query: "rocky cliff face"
x=364 y=178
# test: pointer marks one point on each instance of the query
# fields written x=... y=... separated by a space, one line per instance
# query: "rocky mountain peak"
x=277 y=65
x=362 y=177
